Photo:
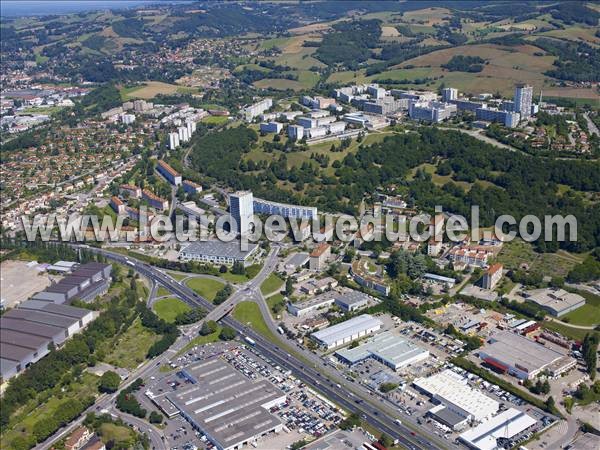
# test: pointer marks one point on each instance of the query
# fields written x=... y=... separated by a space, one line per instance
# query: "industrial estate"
x=249 y=131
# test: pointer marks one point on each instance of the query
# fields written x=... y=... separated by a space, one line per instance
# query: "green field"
x=206 y=287
x=215 y=120
x=275 y=300
x=517 y=252
x=271 y=284
x=275 y=42
x=248 y=313
x=587 y=315
x=576 y=334
x=130 y=350
x=169 y=308
x=162 y=291
x=251 y=272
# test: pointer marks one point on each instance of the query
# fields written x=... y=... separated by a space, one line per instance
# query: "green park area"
x=271 y=284
x=249 y=313
x=205 y=287
x=169 y=308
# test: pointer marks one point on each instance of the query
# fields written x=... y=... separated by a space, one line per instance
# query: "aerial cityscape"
x=320 y=225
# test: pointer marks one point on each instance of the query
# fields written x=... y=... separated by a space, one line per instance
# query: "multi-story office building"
x=241 y=208
x=467 y=105
x=130 y=190
x=523 y=100
x=510 y=119
x=492 y=276
x=190 y=187
x=117 y=205
x=385 y=105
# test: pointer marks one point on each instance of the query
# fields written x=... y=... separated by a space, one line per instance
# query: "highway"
x=309 y=375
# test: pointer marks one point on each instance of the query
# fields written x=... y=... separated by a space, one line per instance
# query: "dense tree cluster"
x=588 y=270
x=577 y=61
x=127 y=402
x=460 y=63
x=350 y=43
x=589 y=350
x=223 y=294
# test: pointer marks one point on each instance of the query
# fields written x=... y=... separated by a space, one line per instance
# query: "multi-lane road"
x=311 y=375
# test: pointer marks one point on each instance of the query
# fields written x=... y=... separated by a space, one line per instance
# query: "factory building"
x=217 y=252
x=505 y=425
x=451 y=390
x=508 y=352
x=351 y=300
x=221 y=403
x=28 y=331
x=387 y=348
x=283 y=209
x=323 y=301
x=557 y=302
x=85 y=283
x=346 y=332
x=170 y=174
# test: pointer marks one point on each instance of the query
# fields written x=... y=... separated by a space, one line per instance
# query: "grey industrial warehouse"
x=28 y=331
x=511 y=353
x=387 y=348
x=217 y=400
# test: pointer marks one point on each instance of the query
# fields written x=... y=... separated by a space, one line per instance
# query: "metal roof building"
x=505 y=425
x=230 y=409
x=451 y=389
x=347 y=331
x=522 y=357
x=387 y=348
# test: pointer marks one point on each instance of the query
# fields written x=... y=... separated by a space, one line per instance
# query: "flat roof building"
x=352 y=300
x=387 y=348
x=217 y=252
x=322 y=301
x=511 y=353
x=451 y=389
x=220 y=402
x=505 y=425
x=557 y=302
x=346 y=332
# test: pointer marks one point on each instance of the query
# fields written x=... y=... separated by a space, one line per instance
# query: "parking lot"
x=304 y=414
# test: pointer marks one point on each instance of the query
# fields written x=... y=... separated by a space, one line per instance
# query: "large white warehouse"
x=505 y=425
x=347 y=331
x=451 y=389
